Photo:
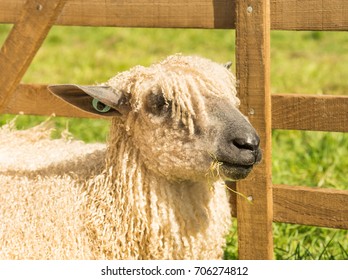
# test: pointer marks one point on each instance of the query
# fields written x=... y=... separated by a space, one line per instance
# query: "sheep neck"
x=157 y=218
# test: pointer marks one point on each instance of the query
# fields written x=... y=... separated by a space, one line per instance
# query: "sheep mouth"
x=235 y=171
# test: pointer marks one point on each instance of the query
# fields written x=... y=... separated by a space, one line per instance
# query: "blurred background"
x=301 y=62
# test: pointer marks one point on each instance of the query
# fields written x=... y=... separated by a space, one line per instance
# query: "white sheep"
x=157 y=192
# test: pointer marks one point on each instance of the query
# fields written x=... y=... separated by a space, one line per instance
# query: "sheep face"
x=182 y=116
x=222 y=141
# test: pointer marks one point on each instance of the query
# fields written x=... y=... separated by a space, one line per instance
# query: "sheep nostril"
x=250 y=142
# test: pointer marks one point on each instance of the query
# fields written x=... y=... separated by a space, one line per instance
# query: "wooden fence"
x=253 y=20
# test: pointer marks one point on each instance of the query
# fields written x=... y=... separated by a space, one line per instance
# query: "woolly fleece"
x=147 y=197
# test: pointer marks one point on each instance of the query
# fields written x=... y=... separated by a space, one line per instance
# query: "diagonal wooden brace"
x=24 y=41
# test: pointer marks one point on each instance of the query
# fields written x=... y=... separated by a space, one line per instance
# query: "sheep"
x=155 y=191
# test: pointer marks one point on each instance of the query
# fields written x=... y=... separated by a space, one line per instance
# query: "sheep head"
x=181 y=114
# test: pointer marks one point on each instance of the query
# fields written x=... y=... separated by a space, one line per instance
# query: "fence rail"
x=285 y=14
x=310 y=206
x=310 y=112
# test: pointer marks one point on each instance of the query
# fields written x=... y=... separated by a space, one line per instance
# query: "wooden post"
x=23 y=42
x=253 y=75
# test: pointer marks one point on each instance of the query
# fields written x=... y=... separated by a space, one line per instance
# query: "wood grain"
x=24 y=41
x=310 y=112
x=285 y=14
x=137 y=13
x=255 y=239
x=307 y=206
x=326 y=15
x=311 y=206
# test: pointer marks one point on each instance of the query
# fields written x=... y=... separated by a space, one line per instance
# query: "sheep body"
x=149 y=194
x=53 y=213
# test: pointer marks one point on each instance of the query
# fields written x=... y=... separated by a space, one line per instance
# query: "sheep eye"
x=157 y=105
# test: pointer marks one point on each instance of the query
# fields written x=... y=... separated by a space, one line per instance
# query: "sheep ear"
x=228 y=64
x=99 y=100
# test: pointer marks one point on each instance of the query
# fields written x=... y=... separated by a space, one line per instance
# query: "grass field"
x=302 y=62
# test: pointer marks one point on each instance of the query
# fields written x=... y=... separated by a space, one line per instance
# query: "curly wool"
x=32 y=152
x=181 y=79
x=154 y=220
x=73 y=206
x=41 y=197
x=52 y=213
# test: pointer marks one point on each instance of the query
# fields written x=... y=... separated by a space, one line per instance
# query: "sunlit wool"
x=146 y=197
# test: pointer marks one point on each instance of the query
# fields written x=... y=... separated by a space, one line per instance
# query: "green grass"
x=302 y=62
x=309 y=62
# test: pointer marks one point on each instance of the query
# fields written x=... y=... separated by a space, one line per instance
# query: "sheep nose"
x=249 y=141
